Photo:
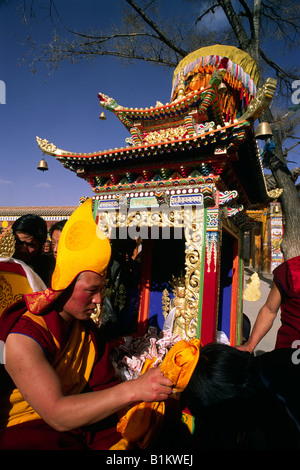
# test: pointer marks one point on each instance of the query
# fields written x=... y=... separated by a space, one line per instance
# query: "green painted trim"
x=201 y=287
x=241 y=268
x=95 y=209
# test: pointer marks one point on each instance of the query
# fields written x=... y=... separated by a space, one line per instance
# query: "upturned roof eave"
x=63 y=154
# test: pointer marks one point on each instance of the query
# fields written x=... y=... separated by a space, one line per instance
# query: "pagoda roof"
x=203 y=134
x=232 y=132
x=206 y=157
x=204 y=100
x=43 y=211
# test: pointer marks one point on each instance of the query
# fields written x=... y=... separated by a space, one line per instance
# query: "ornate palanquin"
x=188 y=173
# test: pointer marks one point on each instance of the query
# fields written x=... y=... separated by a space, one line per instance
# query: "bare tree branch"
x=209 y=10
x=280 y=72
x=284 y=16
x=155 y=28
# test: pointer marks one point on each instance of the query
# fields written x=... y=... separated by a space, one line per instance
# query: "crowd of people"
x=58 y=384
x=34 y=246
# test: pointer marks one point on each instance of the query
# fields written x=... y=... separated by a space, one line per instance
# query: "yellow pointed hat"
x=82 y=247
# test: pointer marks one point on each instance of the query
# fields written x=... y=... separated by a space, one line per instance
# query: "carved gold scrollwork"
x=193 y=238
x=275 y=193
x=46 y=146
x=261 y=101
x=164 y=135
x=190 y=220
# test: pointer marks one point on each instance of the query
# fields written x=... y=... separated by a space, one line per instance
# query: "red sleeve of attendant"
x=294 y=274
x=288 y=276
x=280 y=275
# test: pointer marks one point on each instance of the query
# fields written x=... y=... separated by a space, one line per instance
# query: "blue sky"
x=63 y=107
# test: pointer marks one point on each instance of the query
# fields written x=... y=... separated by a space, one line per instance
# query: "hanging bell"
x=222 y=88
x=42 y=166
x=263 y=131
x=102 y=116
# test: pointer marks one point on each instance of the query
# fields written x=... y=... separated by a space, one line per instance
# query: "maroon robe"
x=287 y=277
x=37 y=434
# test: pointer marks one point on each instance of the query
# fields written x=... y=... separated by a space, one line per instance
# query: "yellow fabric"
x=82 y=247
x=13 y=285
x=236 y=55
x=140 y=424
x=124 y=444
x=180 y=362
x=148 y=364
x=75 y=362
x=73 y=365
x=142 y=421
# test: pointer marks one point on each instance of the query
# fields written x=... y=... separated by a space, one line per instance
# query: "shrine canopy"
x=205 y=134
x=240 y=76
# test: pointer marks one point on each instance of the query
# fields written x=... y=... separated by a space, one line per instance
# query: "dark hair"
x=222 y=373
x=32 y=224
x=242 y=401
x=57 y=226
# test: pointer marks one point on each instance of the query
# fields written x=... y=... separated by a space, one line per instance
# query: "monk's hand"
x=152 y=386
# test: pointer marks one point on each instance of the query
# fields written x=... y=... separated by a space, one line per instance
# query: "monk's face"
x=87 y=292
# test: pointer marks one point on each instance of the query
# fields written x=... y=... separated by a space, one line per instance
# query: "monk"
x=58 y=386
x=285 y=296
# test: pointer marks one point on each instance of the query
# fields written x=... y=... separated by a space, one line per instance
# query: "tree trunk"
x=289 y=199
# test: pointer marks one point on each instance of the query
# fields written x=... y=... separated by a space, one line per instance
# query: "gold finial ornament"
x=181 y=93
x=7 y=244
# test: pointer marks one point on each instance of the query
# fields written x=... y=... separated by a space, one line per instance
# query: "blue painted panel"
x=225 y=284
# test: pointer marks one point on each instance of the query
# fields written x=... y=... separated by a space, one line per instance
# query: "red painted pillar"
x=209 y=307
x=234 y=295
x=146 y=268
